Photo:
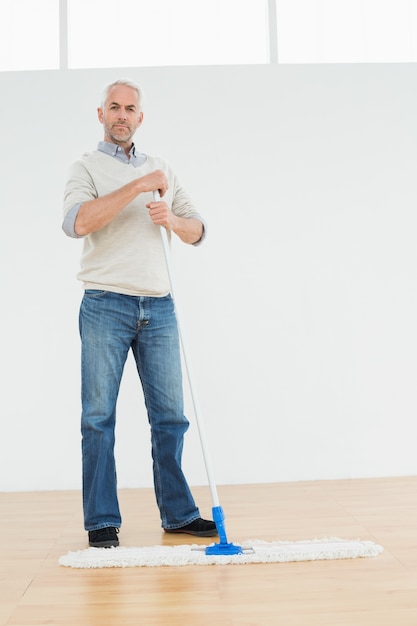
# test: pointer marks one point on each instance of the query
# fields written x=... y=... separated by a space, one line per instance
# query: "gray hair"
x=128 y=83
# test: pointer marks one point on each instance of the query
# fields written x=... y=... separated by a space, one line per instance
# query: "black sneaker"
x=103 y=537
x=199 y=528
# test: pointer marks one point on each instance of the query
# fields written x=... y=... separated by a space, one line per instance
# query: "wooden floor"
x=37 y=528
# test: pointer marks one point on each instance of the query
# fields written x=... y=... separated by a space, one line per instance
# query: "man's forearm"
x=189 y=230
x=97 y=213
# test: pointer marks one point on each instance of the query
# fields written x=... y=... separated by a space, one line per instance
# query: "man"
x=127 y=306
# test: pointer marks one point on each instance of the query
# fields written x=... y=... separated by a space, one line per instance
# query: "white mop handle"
x=187 y=361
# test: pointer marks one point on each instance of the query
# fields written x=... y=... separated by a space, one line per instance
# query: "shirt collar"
x=135 y=158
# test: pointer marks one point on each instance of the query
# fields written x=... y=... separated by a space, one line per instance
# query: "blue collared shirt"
x=135 y=158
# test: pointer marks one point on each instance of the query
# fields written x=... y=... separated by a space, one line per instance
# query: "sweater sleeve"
x=79 y=188
x=182 y=206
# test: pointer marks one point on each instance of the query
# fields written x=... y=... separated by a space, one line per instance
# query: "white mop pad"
x=253 y=552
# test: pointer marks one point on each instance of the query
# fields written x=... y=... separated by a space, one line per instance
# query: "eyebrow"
x=118 y=104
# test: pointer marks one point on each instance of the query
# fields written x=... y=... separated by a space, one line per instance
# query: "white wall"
x=301 y=307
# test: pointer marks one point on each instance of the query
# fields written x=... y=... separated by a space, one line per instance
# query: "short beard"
x=125 y=140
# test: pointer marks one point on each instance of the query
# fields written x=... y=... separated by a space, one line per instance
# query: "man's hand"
x=189 y=230
x=161 y=215
x=155 y=181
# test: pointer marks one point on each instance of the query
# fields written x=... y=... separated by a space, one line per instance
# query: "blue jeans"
x=110 y=325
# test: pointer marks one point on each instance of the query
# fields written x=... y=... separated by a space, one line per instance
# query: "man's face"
x=120 y=116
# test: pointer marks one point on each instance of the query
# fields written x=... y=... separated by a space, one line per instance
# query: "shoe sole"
x=203 y=533
x=104 y=544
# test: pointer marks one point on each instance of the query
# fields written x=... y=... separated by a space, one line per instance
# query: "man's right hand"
x=155 y=181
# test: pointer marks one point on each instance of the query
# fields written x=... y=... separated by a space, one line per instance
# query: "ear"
x=100 y=115
x=140 y=118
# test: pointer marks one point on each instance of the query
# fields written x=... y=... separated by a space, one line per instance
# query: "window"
x=347 y=31
x=29 y=35
x=166 y=32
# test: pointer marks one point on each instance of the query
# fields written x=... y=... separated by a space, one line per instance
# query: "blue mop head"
x=224 y=547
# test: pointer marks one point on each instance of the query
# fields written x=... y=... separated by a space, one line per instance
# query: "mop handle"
x=187 y=361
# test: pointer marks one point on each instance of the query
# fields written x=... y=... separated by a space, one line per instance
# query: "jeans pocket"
x=94 y=293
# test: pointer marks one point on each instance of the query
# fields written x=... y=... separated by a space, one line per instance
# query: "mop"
x=224 y=547
x=224 y=552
